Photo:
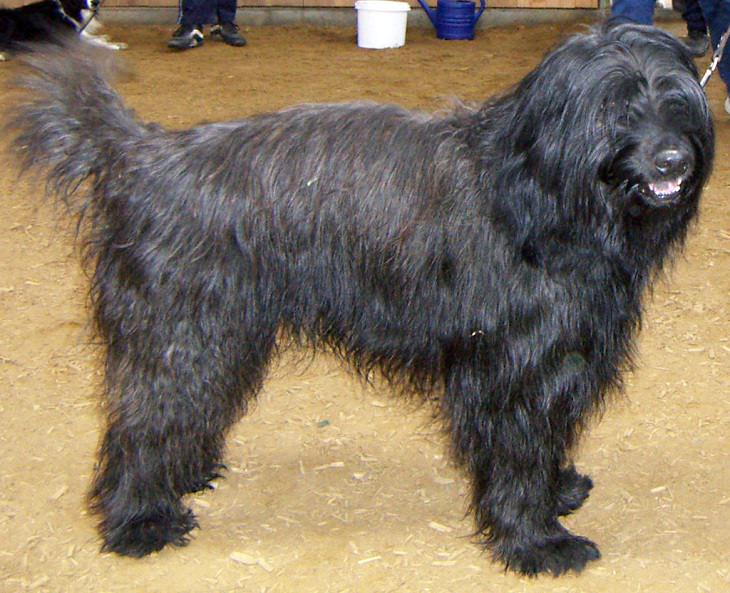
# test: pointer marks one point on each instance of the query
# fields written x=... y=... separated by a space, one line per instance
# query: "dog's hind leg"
x=182 y=361
x=515 y=451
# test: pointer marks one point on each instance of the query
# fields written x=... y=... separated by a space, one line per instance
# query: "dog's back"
x=310 y=176
x=77 y=125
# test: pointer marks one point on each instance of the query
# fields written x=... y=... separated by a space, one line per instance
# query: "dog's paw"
x=103 y=41
x=574 y=490
x=150 y=533
x=3 y=57
x=554 y=555
x=205 y=481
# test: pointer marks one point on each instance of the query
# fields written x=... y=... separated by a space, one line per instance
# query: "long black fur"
x=491 y=258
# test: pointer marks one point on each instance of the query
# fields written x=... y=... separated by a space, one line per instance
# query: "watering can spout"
x=431 y=14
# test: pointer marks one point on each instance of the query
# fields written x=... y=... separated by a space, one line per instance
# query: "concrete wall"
x=494 y=17
x=347 y=16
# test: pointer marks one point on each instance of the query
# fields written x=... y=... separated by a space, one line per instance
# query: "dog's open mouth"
x=663 y=192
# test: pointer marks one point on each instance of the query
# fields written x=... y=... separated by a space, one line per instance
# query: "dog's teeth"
x=665 y=188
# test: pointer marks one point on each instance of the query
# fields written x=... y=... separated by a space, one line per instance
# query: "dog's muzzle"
x=672 y=169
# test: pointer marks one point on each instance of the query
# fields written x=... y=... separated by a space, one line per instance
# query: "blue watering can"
x=454 y=19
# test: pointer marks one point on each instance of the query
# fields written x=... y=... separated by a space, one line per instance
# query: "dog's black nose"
x=672 y=162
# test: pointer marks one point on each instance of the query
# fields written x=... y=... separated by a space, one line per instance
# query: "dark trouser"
x=206 y=12
x=717 y=16
x=636 y=11
x=693 y=17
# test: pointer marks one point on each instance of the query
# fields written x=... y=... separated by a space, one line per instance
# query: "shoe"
x=228 y=32
x=727 y=105
x=186 y=37
x=697 y=42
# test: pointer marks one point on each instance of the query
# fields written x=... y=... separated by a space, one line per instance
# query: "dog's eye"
x=616 y=111
x=676 y=109
x=614 y=105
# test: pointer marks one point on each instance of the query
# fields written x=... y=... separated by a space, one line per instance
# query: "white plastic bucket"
x=381 y=23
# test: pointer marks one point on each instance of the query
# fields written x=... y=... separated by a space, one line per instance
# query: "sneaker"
x=186 y=37
x=697 y=42
x=228 y=32
x=727 y=105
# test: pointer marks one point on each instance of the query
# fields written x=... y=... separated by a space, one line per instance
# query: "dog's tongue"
x=662 y=189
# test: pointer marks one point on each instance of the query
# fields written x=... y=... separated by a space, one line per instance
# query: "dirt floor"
x=332 y=486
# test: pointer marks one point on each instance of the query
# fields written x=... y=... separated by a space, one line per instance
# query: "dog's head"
x=660 y=133
x=622 y=104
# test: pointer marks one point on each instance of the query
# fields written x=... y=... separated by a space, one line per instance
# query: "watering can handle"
x=427 y=9
x=483 y=5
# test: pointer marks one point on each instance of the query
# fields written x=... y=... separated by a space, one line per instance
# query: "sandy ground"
x=333 y=486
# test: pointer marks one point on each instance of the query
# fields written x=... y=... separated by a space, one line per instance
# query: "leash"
x=716 y=57
x=95 y=5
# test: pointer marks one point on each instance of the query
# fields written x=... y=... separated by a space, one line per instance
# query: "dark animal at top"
x=46 y=20
x=493 y=259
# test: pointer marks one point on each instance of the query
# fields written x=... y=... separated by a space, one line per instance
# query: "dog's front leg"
x=516 y=453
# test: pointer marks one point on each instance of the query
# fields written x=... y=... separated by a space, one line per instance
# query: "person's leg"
x=697 y=39
x=692 y=15
x=196 y=12
x=227 y=28
x=193 y=14
x=226 y=11
x=717 y=16
x=635 y=11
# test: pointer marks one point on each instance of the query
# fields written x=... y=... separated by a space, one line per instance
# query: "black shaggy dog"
x=491 y=258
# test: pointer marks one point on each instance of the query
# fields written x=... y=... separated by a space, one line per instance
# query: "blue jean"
x=636 y=11
x=717 y=16
x=693 y=16
x=206 y=12
x=716 y=13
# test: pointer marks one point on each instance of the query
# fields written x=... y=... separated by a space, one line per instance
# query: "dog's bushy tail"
x=70 y=122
